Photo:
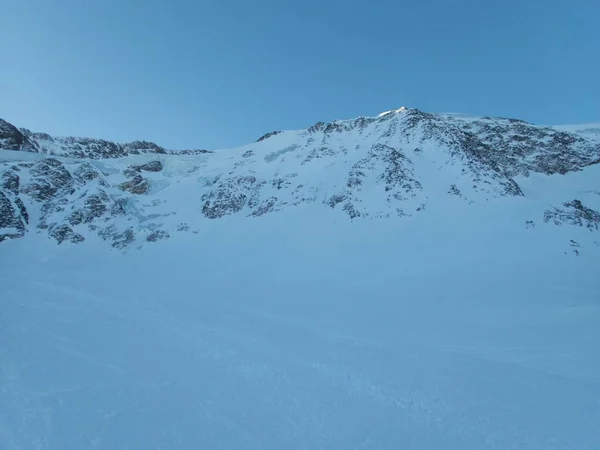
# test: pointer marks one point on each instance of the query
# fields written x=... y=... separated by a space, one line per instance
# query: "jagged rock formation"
x=13 y=138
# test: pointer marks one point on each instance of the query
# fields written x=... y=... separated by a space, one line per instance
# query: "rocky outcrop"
x=10 y=182
x=574 y=213
x=152 y=166
x=64 y=233
x=94 y=207
x=265 y=207
x=13 y=218
x=48 y=178
x=229 y=196
x=85 y=173
x=12 y=138
x=157 y=235
x=137 y=185
x=268 y=135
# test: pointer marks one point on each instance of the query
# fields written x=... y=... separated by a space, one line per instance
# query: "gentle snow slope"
x=454 y=329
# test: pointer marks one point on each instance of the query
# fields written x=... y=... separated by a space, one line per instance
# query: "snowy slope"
x=408 y=281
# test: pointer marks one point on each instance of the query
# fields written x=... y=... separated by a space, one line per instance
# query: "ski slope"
x=300 y=330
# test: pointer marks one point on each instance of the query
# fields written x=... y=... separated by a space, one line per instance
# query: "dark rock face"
x=64 y=233
x=265 y=207
x=21 y=208
x=389 y=167
x=94 y=207
x=122 y=240
x=85 y=173
x=119 y=239
x=137 y=147
x=12 y=219
x=574 y=213
x=319 y=126
x=11 y=138
x=508 y=146
x=229 y=197
x=157 y=235
x=137 y=185
x=69 y=201
x=336 y=199
x=152 y=166
x=134 y=171
x=48 y=177
x=268 y=135
x=10 y=182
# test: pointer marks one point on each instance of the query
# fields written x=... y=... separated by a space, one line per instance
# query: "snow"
x=590 y=130
x=301 y=330
x=453 y=328
x=385 y=113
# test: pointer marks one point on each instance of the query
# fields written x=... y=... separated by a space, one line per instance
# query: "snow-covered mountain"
x=397 y=164
x=406 y=281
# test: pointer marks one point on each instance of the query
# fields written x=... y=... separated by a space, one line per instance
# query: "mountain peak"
x=399 y=110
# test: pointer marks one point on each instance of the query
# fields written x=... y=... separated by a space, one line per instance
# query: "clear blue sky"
x=221 y=73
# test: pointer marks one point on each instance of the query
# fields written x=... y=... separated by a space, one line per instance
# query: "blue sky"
x=198 y=74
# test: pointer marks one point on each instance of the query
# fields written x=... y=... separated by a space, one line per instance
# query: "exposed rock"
x=120 y=239
x=12 y=224
x=152 y=166
x=131 y=171
x=119 y=207
x=265 y=207
x=575 y=246
x=11 y=138
x=318 y=153
x=22 y=210
x=49 y=177
x=138 y=147
x=10 y=182
x=319 y=126
x=85 y=173
x=454 y=191
x=336 y=199
x=64 y=233
x=94 y=207
x=137 y=185
x=229 y=197
x=183 y=227
x=157 y=235
x=575 y=213
x=50 y=209
x=351 y=210
x=268 y=135
x=123 y=239
x=280 y=183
